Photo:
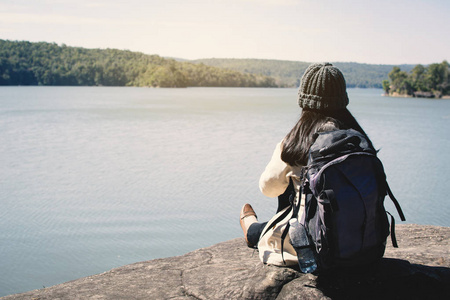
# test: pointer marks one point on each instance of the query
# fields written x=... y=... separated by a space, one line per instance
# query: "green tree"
x=167 y=76
x=438 y=77
x=386 y=86
x=399 y=81
x=419 y=78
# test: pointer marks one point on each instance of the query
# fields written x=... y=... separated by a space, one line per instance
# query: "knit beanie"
x=322 y=87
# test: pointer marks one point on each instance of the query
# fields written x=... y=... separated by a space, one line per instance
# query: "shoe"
x=247 y=212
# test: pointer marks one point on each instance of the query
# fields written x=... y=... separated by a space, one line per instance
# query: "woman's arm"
x=274 y=180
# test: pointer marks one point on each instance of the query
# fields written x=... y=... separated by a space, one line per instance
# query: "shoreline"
x=231 y=270
x=446 y=97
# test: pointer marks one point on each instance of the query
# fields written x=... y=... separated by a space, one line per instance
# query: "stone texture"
x=418 y=269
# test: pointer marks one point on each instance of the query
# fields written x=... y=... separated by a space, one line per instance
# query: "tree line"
x=288 y=73
x=27 y=63
x=431 y=81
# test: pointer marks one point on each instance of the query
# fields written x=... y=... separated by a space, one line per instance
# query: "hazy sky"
x=376 y=31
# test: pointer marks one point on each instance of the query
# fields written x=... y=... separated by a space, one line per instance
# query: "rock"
x=418 y=269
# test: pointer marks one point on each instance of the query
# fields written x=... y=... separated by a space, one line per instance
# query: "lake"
x=93 y=178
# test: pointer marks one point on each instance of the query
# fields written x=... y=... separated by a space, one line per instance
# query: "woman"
x=323 y=99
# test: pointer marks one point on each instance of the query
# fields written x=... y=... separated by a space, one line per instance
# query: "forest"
x=288 y=73
x=26 y=63
x=432 y=81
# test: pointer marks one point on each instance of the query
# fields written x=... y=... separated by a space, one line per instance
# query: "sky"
x=374 y=32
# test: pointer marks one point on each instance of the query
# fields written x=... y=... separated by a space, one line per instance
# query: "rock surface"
x=418 y=269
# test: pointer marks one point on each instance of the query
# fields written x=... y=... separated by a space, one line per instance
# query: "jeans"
x=253 y=234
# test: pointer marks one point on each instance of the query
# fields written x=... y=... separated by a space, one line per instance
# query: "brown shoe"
x=247 y=211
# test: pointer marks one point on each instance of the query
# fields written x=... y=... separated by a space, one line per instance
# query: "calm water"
x=94 y=178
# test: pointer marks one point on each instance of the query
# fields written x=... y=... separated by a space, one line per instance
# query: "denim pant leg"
x=253 y=233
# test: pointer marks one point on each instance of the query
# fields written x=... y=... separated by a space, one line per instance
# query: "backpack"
x=344 y=186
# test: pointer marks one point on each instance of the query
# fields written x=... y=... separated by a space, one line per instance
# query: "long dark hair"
x=297 y=142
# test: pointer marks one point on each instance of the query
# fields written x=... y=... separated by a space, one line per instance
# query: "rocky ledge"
x=418 y=269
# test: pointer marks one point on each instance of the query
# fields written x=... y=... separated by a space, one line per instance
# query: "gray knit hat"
x=322 y=87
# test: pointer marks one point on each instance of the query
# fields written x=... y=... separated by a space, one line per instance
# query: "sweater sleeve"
x=274 y=180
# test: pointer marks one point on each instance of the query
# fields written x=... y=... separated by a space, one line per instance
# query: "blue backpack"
x=344 y=188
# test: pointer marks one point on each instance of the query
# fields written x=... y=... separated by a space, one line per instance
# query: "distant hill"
x=26 y=63
x=288 y=73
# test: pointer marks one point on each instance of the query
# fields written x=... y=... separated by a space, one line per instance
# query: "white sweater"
x=275 y=178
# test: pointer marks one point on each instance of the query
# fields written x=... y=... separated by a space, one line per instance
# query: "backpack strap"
x=397 y=205
x=285 y=199
x=295 y=208
x=280 y=217
x=287 y=196
x=283 y=237
x=400 y=213
x=393 y=238
x=286 y=230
